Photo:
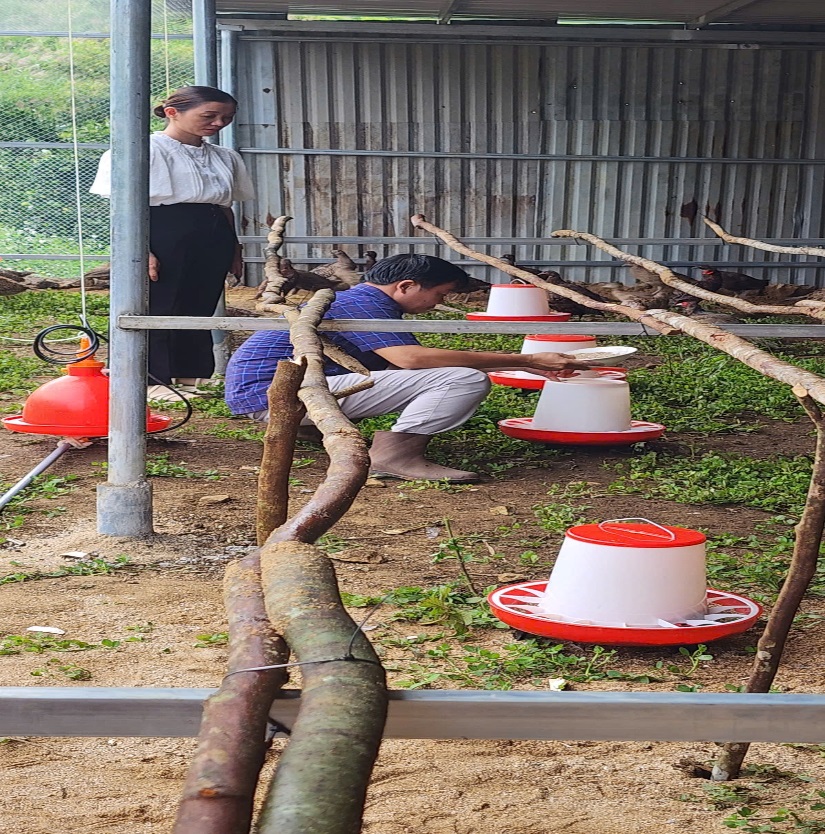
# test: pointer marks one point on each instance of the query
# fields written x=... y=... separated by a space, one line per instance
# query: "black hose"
x=48 y=353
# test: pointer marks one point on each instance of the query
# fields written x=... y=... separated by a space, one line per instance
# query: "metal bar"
x=388 y=153
x=720 y=11
x=37 y=256
x=228 y=83
x=205 y=35
x=62 y=447
x=95 y=146
x=580 y=716
x=528 y=241
x=471 y=33
x=597 y=328
x=93 y=35
x=124 y=502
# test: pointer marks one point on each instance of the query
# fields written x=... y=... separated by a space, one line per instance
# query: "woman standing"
x=192 y=240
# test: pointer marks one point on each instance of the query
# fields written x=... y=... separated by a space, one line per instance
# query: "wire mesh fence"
x=46 y=48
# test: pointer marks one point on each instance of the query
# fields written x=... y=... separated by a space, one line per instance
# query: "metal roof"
x=694 y=13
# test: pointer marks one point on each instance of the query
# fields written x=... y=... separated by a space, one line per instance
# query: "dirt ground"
x=169 y=592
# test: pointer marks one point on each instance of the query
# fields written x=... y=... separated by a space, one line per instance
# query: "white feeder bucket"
x=583 y=404
x=630 y=572
x=556 y=343
x=517 y=300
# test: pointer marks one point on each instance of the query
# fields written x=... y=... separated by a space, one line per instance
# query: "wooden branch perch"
x=285 y=413
x=321 y=781
x=761 y=244
x=668 y=277
x=800 y=573
x=349 y=461
x=220 y=785
x=420 y=222
x=271 y=289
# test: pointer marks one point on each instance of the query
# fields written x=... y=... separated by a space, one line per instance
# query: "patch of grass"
x=25 y=314
x=92 y=567
x=159 y=466
x=19 y=376
x=528 y=661
x=224 y=430
x=777 y=484
x=558 y=517
x=206 y=641
x=43 y=486
x=38 y=643
x=55 y=667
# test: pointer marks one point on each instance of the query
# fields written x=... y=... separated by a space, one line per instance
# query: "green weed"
x=205 y=641
x=92 y=567
x=781 y=821
x=777 y=484
x=224 y=430
x=159 y=466
x=69 y=670
x=38 y=643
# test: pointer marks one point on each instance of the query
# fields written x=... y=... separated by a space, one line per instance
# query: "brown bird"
x=567 y=305
x=343 y=268
x=299 y=280
x=692 y=308
x=645 y=276
x=370 y=260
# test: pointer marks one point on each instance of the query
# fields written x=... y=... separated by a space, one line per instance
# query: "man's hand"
x=554 y=365
x=154 y=268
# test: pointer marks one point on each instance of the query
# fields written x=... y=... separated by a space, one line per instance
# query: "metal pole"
x=205 y=33
x=205 y=36
x=124 y=502
x=62 y=447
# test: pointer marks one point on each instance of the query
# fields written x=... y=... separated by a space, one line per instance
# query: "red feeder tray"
x=532 y=382
x=74 y=405
x=517 y=605
x=522 y=429
x=489 y=317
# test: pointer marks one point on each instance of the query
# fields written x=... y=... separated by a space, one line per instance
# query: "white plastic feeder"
x=517 y=300
x=583 y=404
x=556 y=343
x=627 y=573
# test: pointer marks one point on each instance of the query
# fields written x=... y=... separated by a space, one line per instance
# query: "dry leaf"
x=556 y=684
x=500 y=510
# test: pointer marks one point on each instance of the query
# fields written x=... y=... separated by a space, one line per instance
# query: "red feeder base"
x=522 y=429
x=488 y=317
x=517 y=605
x=531 y=382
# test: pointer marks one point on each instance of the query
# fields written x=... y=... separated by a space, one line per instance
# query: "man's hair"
x=425 y=270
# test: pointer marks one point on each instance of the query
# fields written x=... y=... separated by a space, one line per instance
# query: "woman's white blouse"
x=181 y=173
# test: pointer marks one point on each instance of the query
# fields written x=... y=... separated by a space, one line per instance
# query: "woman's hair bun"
x=159 y=111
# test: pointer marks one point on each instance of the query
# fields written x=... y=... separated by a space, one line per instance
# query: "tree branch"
x=420 y=222
x=761 y=244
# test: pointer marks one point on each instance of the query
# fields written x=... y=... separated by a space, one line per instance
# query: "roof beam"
x=719 y=12
x=448 y=10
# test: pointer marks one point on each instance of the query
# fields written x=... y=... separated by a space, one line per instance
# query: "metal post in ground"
x=124 y=502
x=205 y=38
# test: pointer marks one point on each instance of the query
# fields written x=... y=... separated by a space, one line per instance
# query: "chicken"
x=299 y=280
x=730 y=281
x=776 y=294
x=644 y=276
x=694 y=310
x=511 y=259
x=343 y=268
x=644 y=297
x=566 y=305
x=370 y=260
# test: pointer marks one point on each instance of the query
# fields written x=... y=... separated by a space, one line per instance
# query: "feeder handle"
x=669 y=534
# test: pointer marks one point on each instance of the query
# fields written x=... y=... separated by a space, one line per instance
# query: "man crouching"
x=434 y=389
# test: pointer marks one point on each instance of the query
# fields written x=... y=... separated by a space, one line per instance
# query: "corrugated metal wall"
x=627 y=142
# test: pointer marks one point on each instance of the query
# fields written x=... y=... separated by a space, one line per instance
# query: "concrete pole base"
x=125 y=510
